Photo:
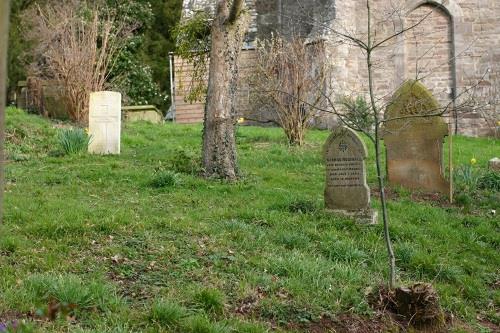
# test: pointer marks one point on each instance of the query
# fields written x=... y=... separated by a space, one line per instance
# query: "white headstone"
x=105 y=122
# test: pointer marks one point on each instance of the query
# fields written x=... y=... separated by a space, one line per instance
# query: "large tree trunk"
x=219 y=144
x=4 y=37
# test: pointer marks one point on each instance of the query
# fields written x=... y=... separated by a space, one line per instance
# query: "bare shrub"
x=291 y=76
x=77 y=46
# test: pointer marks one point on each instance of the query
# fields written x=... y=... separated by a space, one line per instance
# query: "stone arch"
x=450 y=6
x=428 y=50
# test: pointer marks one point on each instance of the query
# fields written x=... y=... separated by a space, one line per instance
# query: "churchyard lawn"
x=138 y=242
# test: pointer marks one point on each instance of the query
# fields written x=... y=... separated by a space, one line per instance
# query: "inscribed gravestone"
x=346 y=189
x=105 y=122
x=414 y=141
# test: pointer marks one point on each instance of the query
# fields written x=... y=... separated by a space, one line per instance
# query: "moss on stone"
x=412 y=98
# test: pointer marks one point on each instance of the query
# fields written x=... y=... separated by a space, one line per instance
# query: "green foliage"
x=466 y=177
x=475 y=186
x=165 y=178
x=193 y=36
x=137 y=84
x=159 y=41
x=142 y=66
x=210 y=300
x=135 y=12
x=185 y=161
x=489 y=181
x=18 y=52
x=357 y=113
x=73 y=140
x=132 y=77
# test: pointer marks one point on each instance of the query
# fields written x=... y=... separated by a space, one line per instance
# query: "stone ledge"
x=367 y=216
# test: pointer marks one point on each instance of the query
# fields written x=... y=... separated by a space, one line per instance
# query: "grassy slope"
x=91 y=228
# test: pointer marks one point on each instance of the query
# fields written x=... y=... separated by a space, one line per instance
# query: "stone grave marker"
x=105 y=122
x=346 y=190
x=494 y=164
x=414 y=145
x=147 y=113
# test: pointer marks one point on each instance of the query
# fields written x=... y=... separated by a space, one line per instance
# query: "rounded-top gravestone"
x=346 y=189
x=413 y=134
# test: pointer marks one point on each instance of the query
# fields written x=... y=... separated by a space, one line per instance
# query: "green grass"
x=138 y=242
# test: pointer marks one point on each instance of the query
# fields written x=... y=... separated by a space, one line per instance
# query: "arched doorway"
x=429 y=50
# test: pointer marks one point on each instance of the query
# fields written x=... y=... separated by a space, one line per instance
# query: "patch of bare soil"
x=10 y=316
x=489 y=325
x=347 y=323
x=436 y=199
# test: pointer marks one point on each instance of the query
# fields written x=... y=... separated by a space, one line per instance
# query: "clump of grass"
x=293 y=240
x=73 y=140
x=17 y=327
x=243 y=327
x=302 y=206
x=8 y=244
x=186 y=161
x=165 y=178
x=476 y=187
x=69 y=293
x=210 y=300
x=344 y=251
x=201 y=324
x=167 y=314
x=489 y=181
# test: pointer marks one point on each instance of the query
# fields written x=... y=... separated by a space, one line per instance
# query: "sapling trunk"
x=380 y=177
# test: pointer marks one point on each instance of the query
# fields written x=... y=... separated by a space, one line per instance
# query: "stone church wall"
x=456 y=47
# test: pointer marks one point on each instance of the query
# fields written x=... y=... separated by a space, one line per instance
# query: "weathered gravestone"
x=494 y=164
x=105 y=122
x=414 y=141
x=346 y=190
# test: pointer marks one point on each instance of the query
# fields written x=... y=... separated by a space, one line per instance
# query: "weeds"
x=165 y=179
x=210 y=300
x=167 y=314
x=489 y=181
x=68 y=295
x=476 y=187
x=185 y=161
